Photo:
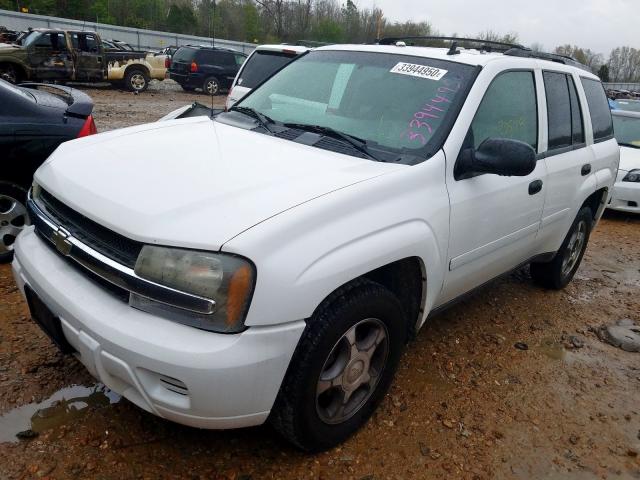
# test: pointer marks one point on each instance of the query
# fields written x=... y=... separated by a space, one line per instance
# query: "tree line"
x=276 y=21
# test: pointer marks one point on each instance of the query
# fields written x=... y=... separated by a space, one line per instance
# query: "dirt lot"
x=466 y=403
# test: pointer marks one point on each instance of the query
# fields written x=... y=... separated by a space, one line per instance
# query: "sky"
x=600 y=25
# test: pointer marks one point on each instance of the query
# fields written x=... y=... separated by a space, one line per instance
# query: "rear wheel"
x=136 y=80
x=559 y=272
x=13 y=217
x=211 y=86
x=342 y=366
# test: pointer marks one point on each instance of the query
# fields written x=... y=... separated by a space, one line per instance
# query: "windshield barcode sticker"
x=421 y=71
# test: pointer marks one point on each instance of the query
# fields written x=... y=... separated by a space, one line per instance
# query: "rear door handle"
x=586 y=169
x=535 y=187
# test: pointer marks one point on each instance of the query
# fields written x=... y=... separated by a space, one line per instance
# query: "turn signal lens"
x=194 y=67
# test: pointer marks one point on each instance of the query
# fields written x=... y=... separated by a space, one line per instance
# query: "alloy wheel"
x=352 y=371
x=211 y=87
x=13 y=219
x=574 y=247
x=138 y=81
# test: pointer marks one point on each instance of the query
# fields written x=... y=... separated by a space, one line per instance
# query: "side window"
x=223 y=59
x=240 y=59
x=598 y=109
x=558 y=109
x=91 y=44
x=508 y=110
x=577 y=123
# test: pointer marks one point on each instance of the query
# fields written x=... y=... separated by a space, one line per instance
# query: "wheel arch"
x=597 y=202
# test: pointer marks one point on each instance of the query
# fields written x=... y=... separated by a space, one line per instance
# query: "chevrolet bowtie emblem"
x=61 y=241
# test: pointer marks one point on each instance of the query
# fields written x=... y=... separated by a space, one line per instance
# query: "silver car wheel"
x=212 y=87
x=352 y=371
x=137 y=81
x=13 y=219
x=574 y=248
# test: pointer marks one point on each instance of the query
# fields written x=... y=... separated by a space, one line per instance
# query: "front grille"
x=110 y=244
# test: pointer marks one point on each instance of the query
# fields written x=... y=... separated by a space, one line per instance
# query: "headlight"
x=226 y=279
x=632 y=176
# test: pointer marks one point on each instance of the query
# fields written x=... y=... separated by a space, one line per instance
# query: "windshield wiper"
x=263 y=120
x=632 y=145
x=357 y=143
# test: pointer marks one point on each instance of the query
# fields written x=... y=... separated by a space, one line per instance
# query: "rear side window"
x=184 y=55
x=577 y=122
x=508 y=110
x=261 y=66
x=558 y=109
x=216 y=58
x=598 y=109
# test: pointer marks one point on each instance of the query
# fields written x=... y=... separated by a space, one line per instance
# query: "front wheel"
x=559 y=272
x=9 y=73
x=13 y=217
x=342 y=367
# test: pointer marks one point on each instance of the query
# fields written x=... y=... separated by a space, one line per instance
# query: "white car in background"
x=261 y=64
x=626 y=192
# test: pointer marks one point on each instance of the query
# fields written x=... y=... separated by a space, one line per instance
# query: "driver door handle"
x=535 y=187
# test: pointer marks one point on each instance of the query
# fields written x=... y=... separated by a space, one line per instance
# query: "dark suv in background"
x=210 y=68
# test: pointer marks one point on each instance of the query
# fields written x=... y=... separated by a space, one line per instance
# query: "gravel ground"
x=467 y=403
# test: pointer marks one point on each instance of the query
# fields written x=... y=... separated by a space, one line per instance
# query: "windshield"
x=261 y=65
x=627 y=130
x=628 y=105
x=393 y=102
x=30 y=38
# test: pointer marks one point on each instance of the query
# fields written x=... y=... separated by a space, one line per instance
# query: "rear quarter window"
x=598 y=109
x=184 y=55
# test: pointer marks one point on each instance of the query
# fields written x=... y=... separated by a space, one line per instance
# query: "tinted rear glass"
x=261 y=66
x=559 y=109
x=184 y=54
x=598 y=109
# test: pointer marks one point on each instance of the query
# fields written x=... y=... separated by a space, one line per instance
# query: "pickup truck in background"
x=68 y=55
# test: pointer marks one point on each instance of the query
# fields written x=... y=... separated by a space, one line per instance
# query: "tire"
x=10 y=73
x=211 y=86
x=307 y=410
x=136 y=80
x=557 y=273
x=13 y=217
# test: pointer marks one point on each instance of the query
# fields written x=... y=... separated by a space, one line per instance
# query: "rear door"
x=568 y=158
x=494 y=219
x=90 y=61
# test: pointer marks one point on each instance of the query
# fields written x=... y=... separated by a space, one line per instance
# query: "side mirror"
x=500 y=156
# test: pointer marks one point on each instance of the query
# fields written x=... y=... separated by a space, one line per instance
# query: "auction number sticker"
x=421 y=71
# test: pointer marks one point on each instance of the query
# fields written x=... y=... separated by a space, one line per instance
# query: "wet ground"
x=511 y=383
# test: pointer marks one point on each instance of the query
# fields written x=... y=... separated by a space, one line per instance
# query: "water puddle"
x=60 y=408
x=552 y=349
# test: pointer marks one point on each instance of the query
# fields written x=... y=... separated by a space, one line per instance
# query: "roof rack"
x=511 y=49
x=485 y=45
x=553 y=57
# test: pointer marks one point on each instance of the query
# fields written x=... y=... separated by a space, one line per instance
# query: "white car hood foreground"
x=629 y=158
x=193 y=182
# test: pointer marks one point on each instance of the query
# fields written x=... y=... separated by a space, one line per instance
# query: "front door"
x=50 y=57
x=494 y=219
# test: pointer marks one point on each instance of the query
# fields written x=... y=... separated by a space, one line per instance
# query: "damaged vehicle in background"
x=34 y=120
x=272 y=262
x=626 y=191
x=54 y=55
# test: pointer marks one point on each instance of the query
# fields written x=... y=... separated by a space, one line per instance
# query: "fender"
x=305 y=253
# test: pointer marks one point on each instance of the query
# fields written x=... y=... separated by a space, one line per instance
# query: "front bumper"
x=190 y=376
x=625 y=197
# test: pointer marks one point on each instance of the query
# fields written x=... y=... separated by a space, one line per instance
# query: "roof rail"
x=553 y=57
x=486 y=45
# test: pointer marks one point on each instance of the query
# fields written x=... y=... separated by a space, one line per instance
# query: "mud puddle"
x=63 y=407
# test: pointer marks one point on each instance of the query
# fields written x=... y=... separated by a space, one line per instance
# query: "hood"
x=629 y=158
x=193 y=182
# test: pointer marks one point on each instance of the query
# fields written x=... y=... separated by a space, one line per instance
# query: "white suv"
x=272 y=262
